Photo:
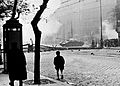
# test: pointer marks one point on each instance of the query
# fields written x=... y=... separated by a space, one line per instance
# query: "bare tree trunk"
x=37 y=33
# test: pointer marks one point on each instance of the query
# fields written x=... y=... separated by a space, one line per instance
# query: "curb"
x=4 y=81
x=30 y=77
x=55 y=82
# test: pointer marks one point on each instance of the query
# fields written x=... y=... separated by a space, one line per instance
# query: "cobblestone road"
x=82 y=68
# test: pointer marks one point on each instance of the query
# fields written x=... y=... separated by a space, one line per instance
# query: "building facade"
x=83 y=16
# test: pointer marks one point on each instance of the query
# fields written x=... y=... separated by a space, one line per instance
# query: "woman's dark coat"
x=16 y=64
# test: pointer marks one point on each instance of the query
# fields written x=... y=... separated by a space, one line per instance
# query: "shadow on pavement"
x=42 y=81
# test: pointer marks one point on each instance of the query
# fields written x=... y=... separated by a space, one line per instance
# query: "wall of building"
x=84 y=15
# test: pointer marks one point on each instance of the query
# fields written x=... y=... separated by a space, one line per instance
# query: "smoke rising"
x=108 y=30
x=49 y=28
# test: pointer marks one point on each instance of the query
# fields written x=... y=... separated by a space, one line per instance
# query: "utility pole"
x=101 y=40
x=117 y=15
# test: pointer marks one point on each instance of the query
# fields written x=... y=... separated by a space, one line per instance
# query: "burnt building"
x=83 y=16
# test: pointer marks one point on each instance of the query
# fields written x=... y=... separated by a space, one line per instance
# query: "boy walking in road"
x=59 y=64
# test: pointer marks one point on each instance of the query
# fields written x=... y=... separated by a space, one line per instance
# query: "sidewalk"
x=4 y=80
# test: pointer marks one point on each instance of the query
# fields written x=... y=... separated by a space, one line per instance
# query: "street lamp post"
x=101 y=40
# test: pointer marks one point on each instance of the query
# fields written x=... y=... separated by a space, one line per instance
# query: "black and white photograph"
x=59 y=42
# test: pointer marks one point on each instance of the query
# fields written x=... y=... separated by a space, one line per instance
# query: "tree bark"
x=37 y=33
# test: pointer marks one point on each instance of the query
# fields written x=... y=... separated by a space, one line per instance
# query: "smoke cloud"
x=49 y=28
x=108 y=30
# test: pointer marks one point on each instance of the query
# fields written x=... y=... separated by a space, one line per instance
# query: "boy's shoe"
x=58 y=79
x=61 y=76
x=11 y=84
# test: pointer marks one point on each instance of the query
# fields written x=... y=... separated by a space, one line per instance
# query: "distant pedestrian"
x=59 y=64
x=16 y=63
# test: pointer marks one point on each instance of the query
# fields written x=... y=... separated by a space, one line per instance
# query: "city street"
x=92 y=26
x=102 y=68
